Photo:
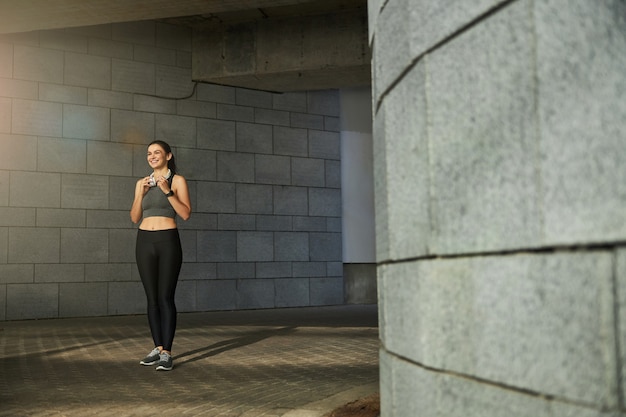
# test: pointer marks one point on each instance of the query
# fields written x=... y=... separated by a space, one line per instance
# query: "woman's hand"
x=143 y=185
x=163 y=184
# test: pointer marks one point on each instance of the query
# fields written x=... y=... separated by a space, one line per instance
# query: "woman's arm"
x=141 y=188
x=180 y=200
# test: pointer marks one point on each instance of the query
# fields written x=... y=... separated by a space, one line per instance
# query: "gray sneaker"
x=165 y=362
x=152 y=358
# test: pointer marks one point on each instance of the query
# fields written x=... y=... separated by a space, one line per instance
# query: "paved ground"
x=300 y=362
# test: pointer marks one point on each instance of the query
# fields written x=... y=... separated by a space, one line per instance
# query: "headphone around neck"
x=153 y=181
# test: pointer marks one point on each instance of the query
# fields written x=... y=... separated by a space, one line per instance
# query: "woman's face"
x=157 y=158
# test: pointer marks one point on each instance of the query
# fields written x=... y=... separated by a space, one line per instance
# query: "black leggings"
x=159 y=256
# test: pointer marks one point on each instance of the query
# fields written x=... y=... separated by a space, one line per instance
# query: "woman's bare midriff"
x=157 y=223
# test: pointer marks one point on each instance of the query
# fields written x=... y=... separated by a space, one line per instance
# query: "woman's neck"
x=161 y=172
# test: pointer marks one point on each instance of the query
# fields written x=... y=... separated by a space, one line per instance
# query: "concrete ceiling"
x=204 y=16
x=29 y=15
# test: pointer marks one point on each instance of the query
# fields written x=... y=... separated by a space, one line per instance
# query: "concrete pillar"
x=357 y=195
x=499 y=137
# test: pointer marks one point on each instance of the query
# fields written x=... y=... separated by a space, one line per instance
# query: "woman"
x=159 y=197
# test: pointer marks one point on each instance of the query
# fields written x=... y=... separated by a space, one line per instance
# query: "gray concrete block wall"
x=454 y=397
x=77 y=109
x=499 y=132
x=507 y=325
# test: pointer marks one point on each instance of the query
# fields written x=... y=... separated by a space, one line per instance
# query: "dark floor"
x=299 y=362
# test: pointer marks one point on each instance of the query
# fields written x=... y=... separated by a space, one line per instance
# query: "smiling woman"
x=159 y=198
x=164 y=178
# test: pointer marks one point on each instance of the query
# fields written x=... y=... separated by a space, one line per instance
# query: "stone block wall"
x=77 y=109
x=499 y=135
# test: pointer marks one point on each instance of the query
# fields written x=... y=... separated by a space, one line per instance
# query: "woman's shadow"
x=223 y=346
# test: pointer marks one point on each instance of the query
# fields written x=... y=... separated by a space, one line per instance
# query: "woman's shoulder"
x=178 y=179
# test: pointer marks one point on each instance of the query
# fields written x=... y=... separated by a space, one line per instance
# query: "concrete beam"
x=289 y=54
x=29 y=15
